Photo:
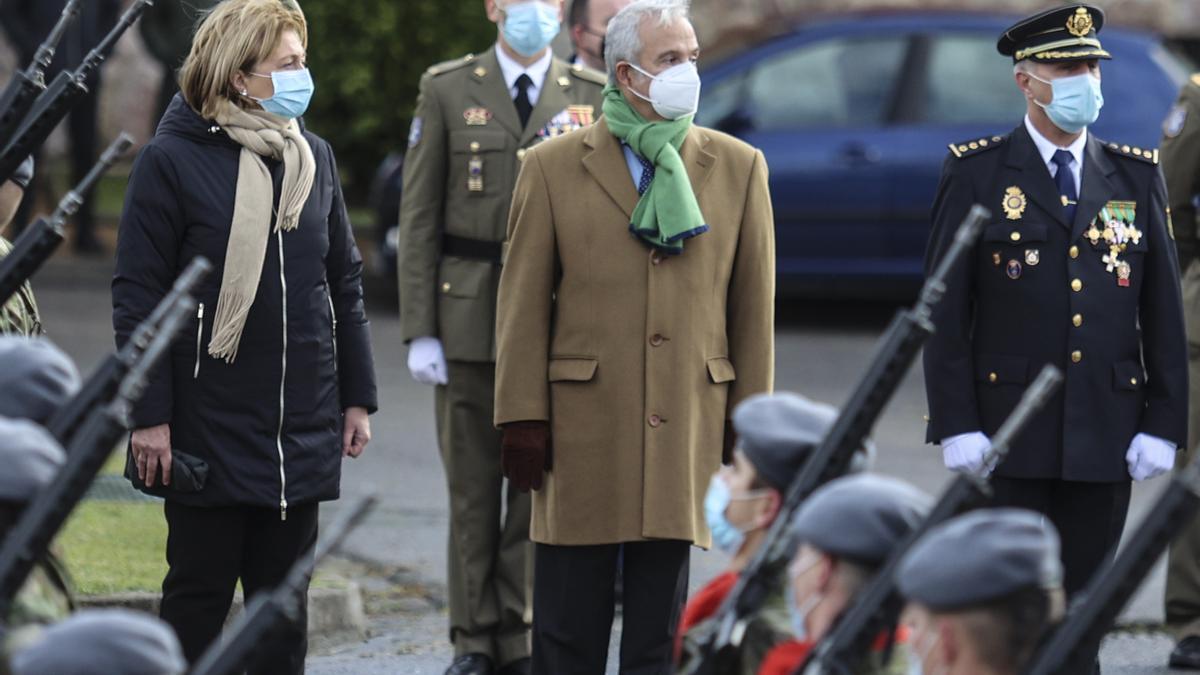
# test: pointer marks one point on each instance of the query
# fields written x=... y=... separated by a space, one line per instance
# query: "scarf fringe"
x=232 y=310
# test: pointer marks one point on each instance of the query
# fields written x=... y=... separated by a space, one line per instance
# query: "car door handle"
x=859 y=154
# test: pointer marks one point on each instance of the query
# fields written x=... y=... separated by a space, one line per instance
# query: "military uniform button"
x=1015 y=236
x=656 y=258
x=992 y=377
x=1073 y=252
x=1077 y=285
x=1133 y=381
x=656 y=340
x=446 y=287
x=655 y=421
x=521 y=154
x=1077 y=320
x=475 y=146
x=1076 y=356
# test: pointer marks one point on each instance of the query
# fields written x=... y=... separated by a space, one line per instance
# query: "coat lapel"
x=697 y=159
x=1097 y=188
x=605 y=160
x=551 y=100
x=1036 y=179
x=490 y=91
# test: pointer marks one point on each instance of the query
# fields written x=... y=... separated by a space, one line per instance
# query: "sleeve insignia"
x=1176 y=119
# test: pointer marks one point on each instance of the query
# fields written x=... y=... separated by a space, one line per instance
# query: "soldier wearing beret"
x=18 y=316
x=475 y=119
x=1181 y=168
x=102 y=642
x=776 y=433
x=982 y=589
x=36 y=378
x=1077 y=269
x=846 y=530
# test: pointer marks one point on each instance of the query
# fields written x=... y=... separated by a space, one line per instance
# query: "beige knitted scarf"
x=260 y=134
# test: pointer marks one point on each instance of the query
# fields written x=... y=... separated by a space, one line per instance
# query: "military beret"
x=102 y=642
x=860 y=517
x=31 y=459
x=981 y=556
x=24 y=173
x=777 y=432
x=1061 y=34
x=36 y=378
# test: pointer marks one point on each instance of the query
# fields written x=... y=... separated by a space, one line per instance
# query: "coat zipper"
x=282 y=380
x=199 y=333
x=333 y=322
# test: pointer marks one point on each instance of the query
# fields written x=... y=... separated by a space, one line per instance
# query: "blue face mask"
x=799 y=612
x=726 y=537
x=293 y=92
x=530 y=26
x=1077 y=101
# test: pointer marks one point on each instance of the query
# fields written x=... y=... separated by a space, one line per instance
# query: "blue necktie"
x=647 y=175
x=1066 y=183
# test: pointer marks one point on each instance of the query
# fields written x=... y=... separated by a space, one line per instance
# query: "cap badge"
x=1080 y=23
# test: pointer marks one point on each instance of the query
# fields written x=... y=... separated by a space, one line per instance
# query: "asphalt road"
x=822 y=348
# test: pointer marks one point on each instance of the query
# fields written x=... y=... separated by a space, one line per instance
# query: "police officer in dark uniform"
x=1076 y=268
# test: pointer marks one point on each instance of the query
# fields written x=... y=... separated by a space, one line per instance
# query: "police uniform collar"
x=1067 y=33
x=513 y=70
x=1047 y=149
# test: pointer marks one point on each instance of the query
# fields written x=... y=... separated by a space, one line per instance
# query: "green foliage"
x=367 y=57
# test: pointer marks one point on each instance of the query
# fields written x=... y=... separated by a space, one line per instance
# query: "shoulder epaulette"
x=976 y=146
x=1195 y=79
x=589 y=75
x=447 y=66
x=1148 y=156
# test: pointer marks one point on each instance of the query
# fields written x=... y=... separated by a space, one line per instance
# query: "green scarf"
x=667 y=212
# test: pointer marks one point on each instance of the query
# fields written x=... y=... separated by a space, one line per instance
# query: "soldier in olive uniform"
x=1181 y=168
x=18 y=316
x=475 y=119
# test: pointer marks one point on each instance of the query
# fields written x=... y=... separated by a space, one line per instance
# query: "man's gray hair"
x=623 y=42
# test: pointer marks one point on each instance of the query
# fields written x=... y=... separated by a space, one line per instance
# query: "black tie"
x=524 y=107
x=1066 y=182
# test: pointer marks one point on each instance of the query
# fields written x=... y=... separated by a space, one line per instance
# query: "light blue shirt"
x=634 y=162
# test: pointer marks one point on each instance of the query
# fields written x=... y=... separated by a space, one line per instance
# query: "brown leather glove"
x=525 y=453
x=730 y=441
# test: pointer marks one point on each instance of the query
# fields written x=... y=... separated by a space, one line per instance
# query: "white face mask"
x=675 y=92
x=918 y=653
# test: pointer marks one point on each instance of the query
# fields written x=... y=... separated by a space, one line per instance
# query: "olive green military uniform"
x=1180 y=156
x=19 y=316
x=465 y=150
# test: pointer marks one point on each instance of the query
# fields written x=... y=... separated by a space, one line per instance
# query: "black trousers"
x=209 y=550
x=1089 y=518
x=574 y=597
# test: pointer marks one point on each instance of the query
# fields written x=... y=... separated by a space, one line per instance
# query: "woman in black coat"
x=272 y=384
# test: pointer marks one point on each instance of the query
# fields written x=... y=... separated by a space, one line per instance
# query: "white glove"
x=1149 y=456
x=426 y=361
x=964 y=453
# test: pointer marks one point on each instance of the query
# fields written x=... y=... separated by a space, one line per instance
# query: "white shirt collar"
x=536 y=72
x=1047 y=149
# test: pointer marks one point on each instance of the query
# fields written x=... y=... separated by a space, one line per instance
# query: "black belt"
x=473 y=249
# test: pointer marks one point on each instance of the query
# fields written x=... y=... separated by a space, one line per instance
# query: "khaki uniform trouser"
x=1183 y=561
x=490 y=561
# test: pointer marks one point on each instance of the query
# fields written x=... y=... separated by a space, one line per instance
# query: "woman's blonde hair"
x=234 y=36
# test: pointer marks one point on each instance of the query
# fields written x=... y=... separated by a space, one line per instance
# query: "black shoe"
x=1186 y=654
x=518 y=667
x=470 y=664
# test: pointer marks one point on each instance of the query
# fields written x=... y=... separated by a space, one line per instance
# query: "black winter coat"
x=269 y=425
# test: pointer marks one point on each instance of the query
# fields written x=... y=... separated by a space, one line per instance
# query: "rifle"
x=893 y=356
x=265 y=611
x=877 y=606
x=45 y=514
x=26 y=85
x=1109 y=590
x=37 y=242
x=67 y=89
x=103 y=382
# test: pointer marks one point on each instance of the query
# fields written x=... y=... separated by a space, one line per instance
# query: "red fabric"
x=702 y=605
x=784 y=658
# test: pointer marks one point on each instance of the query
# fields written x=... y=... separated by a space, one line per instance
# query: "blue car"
x=854 y=115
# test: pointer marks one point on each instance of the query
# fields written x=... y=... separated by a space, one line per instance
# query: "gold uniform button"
x=1015 y=236
x=656 y=258
x=1076 y=356
x=446 y=287
x=1077 y=320
x=1073 y=252
x=1133 y=381
x=475 y=146
x=521 y=155
x=1077 y=285
x=992 y=377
